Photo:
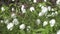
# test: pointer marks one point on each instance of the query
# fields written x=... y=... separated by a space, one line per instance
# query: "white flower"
x=58 y=2
x=2 y=8
x=38 y=21
x=52 y=22
x=13 y=0
x=52 y=9
x=10 y=26
x=56 y=12
x=44 y=9
x=58 y=32
x=15 y=21
x=41 y=13
x=28 y=27
x=23 y=9
x=2 y=21
x=40 y=5
x=6 y=21
x=32 y=9
x=45 y=0
x=34 y=1
x=13 y=15
x=49 y=8
x=45 y=23
x=13 y=9
x=22 y=26
x=53 y=14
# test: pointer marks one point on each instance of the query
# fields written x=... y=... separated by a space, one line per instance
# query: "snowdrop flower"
x=13 y=15
x=34 y=1
x=13 y=0
x=10 y=26
x=22 y=26
x=23 y=9
x=2 y=21
x=45 y=0
x=2 y=8
x=58 y=32
x=6 y=21
x=38 y=21
x=13 y=9
x=58 y=2
x=15 y=21
x=49 y=8
x=45 y=23
x=52 y=22
x=32 y=9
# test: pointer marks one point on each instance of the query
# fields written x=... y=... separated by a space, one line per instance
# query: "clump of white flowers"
x=43 y=11
x=45 y=23
x=15 y=21
x=34 y=1
x=52 y=22
x=23 y=9
x=32 y=9
x=58 y=32
x=38 y=21
x=13 y=15
x=22 y=26
x=2 y=9
x=10 y=26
